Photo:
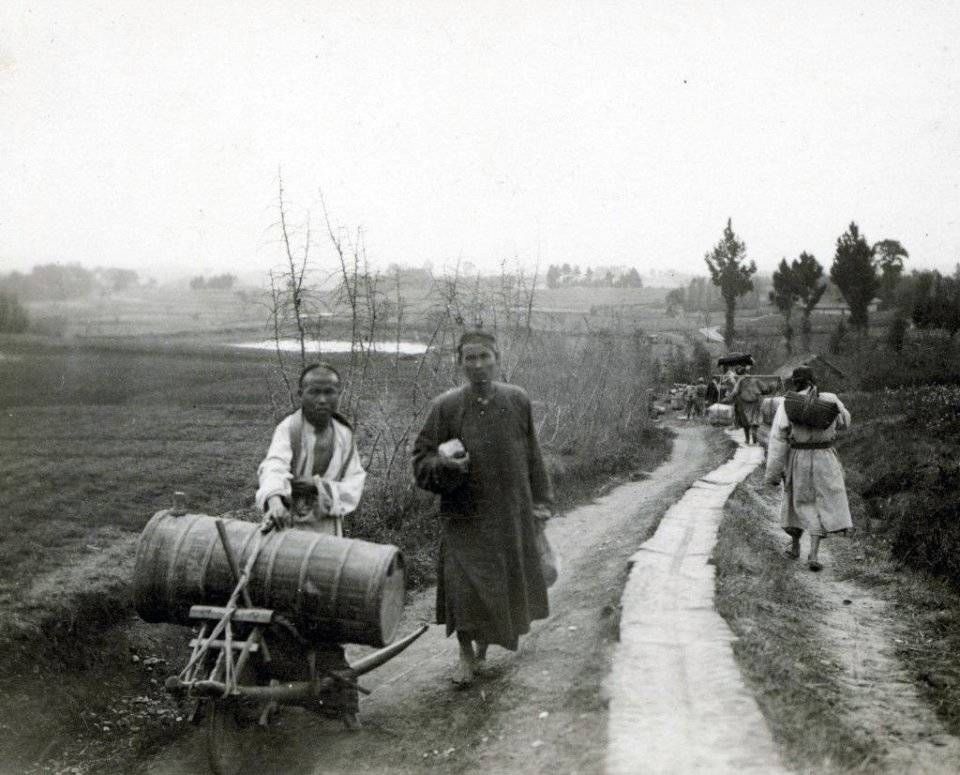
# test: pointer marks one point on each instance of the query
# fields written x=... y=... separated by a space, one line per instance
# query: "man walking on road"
x=478 y=449
x=801 y=454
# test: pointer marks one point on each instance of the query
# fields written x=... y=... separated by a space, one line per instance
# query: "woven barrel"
x=336 y=590
x=768 y=409
x=720 y=414
x=809 y=410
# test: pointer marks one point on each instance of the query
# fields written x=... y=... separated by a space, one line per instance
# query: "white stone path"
x=678 y=703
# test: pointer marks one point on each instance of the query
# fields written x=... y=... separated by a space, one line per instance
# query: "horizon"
x=152 y=138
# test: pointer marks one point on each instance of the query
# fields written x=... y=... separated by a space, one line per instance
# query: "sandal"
x=789 y=552
x=814 y=565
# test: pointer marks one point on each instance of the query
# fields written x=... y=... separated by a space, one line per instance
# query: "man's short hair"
x=313 y=367
x=477 y=336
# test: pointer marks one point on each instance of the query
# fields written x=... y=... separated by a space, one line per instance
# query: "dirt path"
x=539 y=710
x=879 y=699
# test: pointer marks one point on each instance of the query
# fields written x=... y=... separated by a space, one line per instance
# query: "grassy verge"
x=777 y=649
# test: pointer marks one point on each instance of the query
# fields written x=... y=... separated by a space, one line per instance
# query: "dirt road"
x=539 y=710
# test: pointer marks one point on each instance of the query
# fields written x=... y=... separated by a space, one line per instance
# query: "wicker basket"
x=810 y=410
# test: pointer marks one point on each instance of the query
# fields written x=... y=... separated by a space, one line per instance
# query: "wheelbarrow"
x=238 y=672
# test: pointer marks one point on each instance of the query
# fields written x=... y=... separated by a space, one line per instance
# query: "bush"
x=909 y=480
x=925 y=358
x=13 y=316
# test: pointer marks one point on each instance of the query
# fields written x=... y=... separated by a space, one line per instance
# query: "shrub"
x=13 y=316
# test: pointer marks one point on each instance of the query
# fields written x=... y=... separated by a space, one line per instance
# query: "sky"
x=152 y=136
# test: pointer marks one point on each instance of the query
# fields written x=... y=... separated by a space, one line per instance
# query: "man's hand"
x=277 y=513
x=324 y=498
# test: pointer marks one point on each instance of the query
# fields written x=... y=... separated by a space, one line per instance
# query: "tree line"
x=860 y=271
x=564 y=275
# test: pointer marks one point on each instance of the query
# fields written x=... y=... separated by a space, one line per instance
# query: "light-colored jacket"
x=815 y=496
x=343 y=480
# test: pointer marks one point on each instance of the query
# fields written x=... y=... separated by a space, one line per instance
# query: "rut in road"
x=541 y=709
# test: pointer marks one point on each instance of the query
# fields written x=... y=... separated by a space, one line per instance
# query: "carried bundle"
x=810 y=410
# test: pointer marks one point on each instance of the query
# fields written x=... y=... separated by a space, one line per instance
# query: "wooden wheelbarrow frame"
x=230 y=636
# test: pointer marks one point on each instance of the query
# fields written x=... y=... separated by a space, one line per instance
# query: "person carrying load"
x=801 y=453
x=747 y=394
x=700 y=396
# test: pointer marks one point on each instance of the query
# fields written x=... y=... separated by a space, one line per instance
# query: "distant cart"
x=192 y=568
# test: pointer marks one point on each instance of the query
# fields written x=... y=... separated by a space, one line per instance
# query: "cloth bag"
x=549 y=559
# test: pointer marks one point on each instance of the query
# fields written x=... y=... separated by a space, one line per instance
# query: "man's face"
x=479 y=363
x=319 y=396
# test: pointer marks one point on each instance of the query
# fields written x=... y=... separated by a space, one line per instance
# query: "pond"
x=336 y=346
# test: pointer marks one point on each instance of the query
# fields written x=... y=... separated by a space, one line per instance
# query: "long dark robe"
x=489 y=578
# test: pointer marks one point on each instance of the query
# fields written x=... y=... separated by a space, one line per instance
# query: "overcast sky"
x=149 y=134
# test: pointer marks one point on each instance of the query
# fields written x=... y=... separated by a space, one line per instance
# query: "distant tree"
x=784 y=297
x=674 y=301
x=701 y=361
x=731 y=274
x=632 y=279
x=50 y=282
x=678 y=367
x=588 y=276
x=565 y=269
x=13 y=316
x=936 y=302
x=897 y=332
x=889 y=255
x=702 y=297
x=221 y=282
x=553 y=276
x=855 y=274
x=117 y=280
x=809 y=285
x=838 y=337
x=198 y=283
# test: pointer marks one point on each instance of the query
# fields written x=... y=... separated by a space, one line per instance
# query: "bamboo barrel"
x=337 y=590
x=768 y=408
x=720 y=414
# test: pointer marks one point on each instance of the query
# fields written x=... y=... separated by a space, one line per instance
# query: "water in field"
x=336 y=346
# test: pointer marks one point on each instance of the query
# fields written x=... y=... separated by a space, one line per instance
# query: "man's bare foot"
x=480 y=650
x=792 y=552
x=351 y=721
x=814 y=565
x=462 y=674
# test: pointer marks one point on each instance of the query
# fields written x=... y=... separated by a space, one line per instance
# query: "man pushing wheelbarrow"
x=273 y=603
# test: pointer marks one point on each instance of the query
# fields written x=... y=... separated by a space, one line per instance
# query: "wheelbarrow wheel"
x=231 y=735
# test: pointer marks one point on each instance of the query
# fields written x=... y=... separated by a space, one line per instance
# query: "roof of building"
x=812 y=360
